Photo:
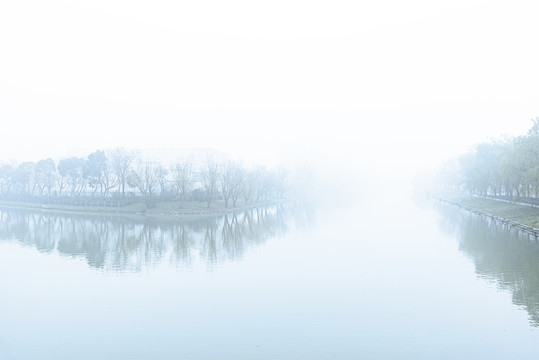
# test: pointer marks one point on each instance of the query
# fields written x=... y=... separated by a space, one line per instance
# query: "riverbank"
x=519 y=215
x=161 y=209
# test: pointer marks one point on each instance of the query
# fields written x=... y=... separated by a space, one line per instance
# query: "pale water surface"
x=392 y=279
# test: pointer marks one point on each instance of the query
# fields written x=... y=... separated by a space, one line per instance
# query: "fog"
x=381 y=86
x=232 y=179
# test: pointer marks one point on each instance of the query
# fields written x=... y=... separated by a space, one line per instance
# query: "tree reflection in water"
x=131 y=244
x=501 y=254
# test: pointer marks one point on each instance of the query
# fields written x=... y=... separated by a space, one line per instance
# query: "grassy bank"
x=511 y=212
x=165 y=208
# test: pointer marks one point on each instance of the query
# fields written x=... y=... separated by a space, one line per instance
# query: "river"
x=395 y=278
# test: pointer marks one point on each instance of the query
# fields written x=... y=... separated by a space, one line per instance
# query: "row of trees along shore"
x=506 y=167
x=122 y=177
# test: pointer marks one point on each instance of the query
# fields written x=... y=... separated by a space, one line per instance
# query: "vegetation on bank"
x=504 y=167
x=499 y=178
x=512 y=211
x=160 y=209
x=123 y=181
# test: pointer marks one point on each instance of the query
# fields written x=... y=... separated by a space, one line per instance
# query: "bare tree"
x=6 y=178
x=45 y=175
x=62 y=180
x=94 y=168
x=279 y=178
x=254 y=185
x=143 y=177
x=23 y=176
x=108 y=181
x=72 y=170
x=231 y=180
x=262 y=183
x=225 y=179
x=121 y=160
x=210 y=176
x=182 y=177
x=161 y=174
x=237 y=183
x=248 y=186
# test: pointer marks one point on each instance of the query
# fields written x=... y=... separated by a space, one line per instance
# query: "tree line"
x=507 y=166
x=123 y=175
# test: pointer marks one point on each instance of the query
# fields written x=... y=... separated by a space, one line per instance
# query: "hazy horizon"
x=380 y=86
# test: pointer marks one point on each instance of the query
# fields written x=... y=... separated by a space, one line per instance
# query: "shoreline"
x=513 y=214
x=166 y=210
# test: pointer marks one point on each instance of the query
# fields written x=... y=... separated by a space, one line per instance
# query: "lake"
x=395 y=278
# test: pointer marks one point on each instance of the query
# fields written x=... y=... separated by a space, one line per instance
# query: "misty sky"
x=397 y=82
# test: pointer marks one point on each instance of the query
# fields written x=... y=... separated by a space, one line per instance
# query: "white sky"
x=395 y=83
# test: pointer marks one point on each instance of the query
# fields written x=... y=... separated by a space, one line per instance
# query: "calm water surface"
x=392 y=279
